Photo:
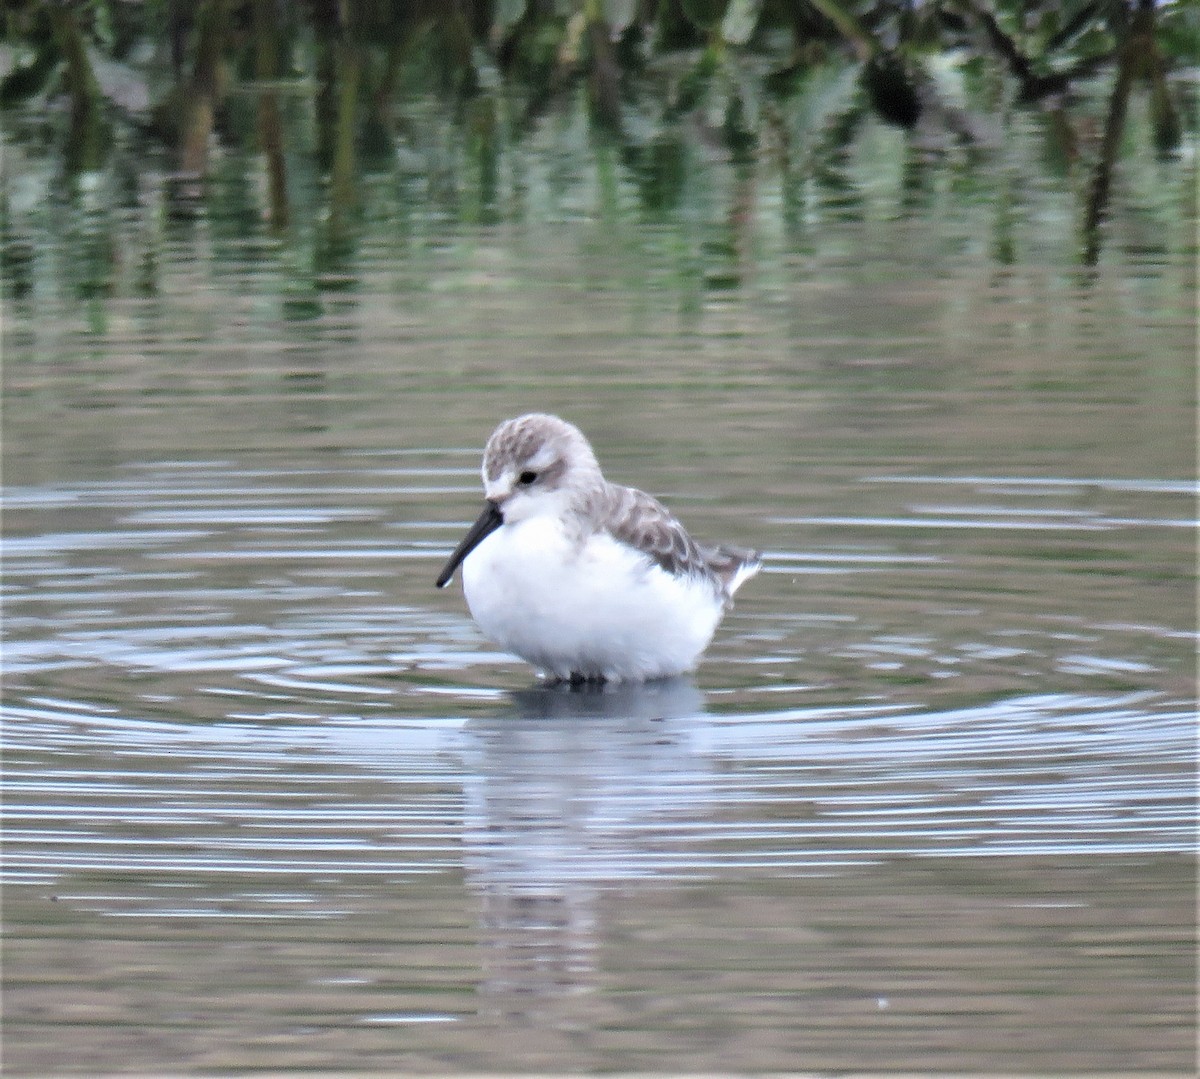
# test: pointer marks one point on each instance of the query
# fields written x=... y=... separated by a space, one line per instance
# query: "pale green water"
x=270 y=800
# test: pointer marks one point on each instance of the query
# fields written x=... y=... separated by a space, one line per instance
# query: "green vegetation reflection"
x=339 y=107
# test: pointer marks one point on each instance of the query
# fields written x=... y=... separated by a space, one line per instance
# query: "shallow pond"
x=928 y=805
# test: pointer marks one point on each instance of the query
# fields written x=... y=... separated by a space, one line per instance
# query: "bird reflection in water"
x=567 y=795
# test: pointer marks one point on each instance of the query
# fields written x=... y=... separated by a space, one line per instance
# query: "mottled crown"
x=539 y=440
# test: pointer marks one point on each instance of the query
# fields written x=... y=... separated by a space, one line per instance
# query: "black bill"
x=489 y=520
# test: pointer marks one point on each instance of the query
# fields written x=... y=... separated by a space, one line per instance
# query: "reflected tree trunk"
x=347 y=71
x=85 y=142
x=604 y=87
x=1101 y=185
x=200 y=105
x=270 y=125
x=1137 y=55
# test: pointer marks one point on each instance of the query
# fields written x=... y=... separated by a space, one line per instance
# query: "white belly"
x=597 y=610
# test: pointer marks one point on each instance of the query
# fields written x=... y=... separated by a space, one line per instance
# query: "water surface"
x=272 y=802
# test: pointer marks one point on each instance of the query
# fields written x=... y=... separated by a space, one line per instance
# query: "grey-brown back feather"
x=640 y=520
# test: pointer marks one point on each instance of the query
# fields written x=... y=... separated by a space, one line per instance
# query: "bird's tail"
x=734 y=566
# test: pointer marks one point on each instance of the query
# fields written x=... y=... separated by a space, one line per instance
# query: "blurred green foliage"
x=542 y=47
x=194 y=76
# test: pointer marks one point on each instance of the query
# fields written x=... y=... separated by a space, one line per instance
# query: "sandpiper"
x=585 y=579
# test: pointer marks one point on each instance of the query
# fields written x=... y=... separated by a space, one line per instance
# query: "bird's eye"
x=526 y=478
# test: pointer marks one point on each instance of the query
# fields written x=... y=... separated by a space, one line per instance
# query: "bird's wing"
x=640 y=520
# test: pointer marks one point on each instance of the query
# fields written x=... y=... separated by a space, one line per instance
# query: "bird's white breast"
x=595 y=607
